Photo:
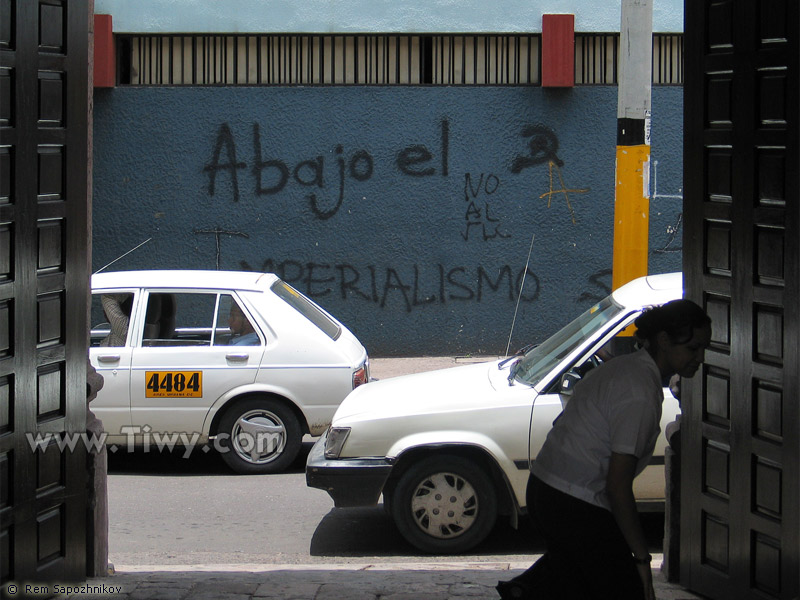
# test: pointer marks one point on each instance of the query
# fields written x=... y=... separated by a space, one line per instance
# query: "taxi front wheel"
x=259 y=435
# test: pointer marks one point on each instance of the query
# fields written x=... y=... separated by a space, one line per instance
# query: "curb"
x=405 y=566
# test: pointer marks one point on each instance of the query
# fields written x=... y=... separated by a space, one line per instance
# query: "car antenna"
x=519 y=297
x=124 y=255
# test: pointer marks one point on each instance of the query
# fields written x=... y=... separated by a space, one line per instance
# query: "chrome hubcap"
x=258 y=436
x=444 y=505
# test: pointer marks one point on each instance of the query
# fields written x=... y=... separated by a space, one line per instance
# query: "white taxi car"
x=450 y=449
x=237 y=360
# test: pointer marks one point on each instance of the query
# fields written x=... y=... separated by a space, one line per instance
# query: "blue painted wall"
x=406 y=212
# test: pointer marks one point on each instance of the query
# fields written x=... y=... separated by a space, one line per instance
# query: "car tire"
x=259 y=435
x=444 y=505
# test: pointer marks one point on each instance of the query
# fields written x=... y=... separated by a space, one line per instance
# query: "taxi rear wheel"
x=259 y=435
x=444 y=505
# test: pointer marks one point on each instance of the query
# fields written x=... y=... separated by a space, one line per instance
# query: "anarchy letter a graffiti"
x=562 y=190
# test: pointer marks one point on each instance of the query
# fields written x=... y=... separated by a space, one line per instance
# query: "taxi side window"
x=178 y=319
x=233 y=327
x=110 y=319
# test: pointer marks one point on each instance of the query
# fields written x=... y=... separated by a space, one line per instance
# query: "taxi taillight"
x=360 y=376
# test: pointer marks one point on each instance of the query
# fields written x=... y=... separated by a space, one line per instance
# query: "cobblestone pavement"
x=394 y=581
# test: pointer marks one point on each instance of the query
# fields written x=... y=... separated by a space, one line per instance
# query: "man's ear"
x=663 y=340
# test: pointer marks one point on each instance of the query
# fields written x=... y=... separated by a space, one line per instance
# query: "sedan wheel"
x=259 y=436
x=444 y=504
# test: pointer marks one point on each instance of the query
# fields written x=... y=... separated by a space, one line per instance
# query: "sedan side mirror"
x=568 y=381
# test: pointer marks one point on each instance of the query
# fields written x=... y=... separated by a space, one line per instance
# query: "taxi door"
x=112 y=319
x=186 y=358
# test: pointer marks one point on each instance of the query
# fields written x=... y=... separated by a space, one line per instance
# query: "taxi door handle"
x=108 y=358
x=237 y=357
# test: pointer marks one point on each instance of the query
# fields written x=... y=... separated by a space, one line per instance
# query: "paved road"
x=169 y=510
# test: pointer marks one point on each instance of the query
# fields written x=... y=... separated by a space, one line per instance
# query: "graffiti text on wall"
x=411 y=287
x=347 y=168
x=273 y=175
x=478 y=212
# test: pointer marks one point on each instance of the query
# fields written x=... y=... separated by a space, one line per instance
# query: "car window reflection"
x=539 y=361
x=178 y=319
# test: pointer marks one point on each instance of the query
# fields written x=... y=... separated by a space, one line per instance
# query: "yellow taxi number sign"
x=174 y=384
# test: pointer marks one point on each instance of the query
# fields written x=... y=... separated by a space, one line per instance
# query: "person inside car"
x=242 y=331
x=117 y=309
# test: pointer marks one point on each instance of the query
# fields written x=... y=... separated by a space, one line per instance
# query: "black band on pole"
x=630 y=132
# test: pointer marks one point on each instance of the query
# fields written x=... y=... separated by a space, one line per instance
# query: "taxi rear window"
x=307 y=308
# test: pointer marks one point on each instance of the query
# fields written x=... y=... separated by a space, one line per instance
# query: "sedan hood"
x=456 y=388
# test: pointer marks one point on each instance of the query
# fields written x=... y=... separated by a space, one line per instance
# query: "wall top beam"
x=371 y=16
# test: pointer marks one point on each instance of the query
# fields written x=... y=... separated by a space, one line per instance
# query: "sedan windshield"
x=539 y=361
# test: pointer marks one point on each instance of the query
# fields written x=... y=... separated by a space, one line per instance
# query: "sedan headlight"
x=336 y=439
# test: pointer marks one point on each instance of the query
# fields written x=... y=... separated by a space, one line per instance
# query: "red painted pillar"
x=558 y=50
x=105 y=72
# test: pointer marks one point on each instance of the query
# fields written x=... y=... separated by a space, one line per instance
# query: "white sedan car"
x=450 y=449
x=240 y=361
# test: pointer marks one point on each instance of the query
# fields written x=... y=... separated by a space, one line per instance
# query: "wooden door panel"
x=741 y=499
x=44 y=234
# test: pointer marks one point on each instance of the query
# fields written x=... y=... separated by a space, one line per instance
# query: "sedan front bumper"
x=349 y=481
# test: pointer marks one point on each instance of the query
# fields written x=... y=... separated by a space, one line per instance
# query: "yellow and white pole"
x=632 y=189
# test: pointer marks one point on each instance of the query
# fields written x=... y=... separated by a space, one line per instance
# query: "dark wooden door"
x=740 y=522
x=43 y=286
